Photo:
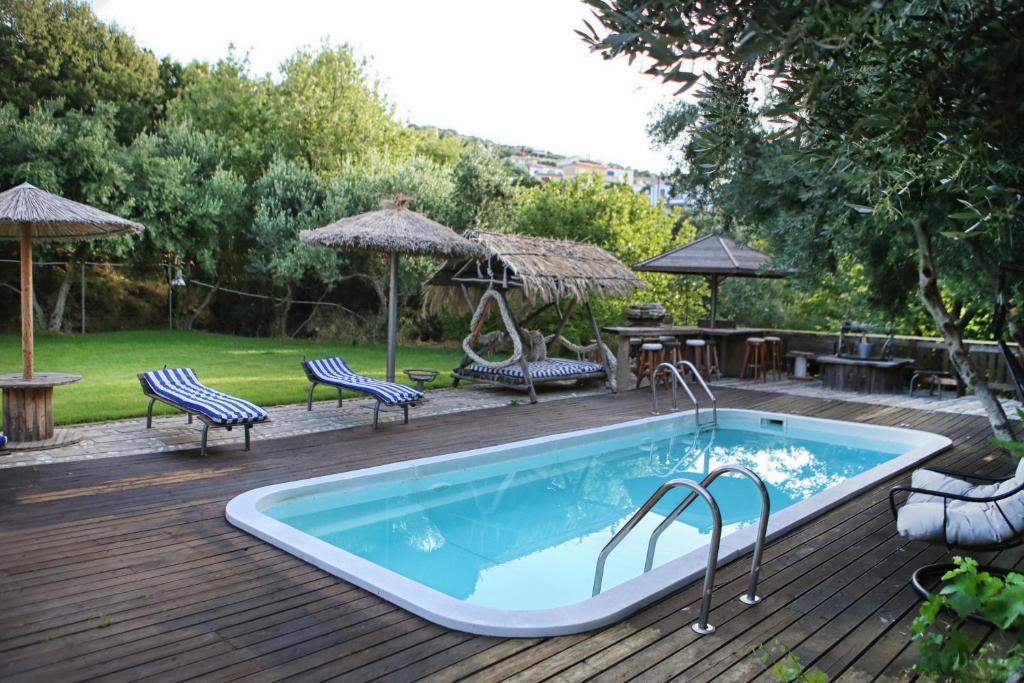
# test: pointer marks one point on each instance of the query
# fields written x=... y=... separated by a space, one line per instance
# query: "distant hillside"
x=504 y=150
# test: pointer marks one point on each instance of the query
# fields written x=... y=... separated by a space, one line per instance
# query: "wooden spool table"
x=28 y=410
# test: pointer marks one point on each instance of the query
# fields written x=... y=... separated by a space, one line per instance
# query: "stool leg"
x=715 y=368
x=746 y=359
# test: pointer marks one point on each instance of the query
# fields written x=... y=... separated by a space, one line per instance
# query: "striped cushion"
x=181 y=387
x=552 y=368
x=335 y=372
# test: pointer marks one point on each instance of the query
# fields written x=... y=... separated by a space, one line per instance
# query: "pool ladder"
x=677 y=380
x=696 y=490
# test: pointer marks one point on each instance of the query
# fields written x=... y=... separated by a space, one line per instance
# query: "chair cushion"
x=967 y=524
x=181 y=387
x=336 y=373
x=552 y=368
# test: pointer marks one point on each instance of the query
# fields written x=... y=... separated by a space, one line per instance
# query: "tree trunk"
x=281 y=324
x=305 y=322
x=60 y=304
x=928 y=290
x=191 y=318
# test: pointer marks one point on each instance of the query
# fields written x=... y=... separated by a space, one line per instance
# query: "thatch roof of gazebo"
x=544 y=269
x=56 y=218
x=714 y=254
x=393 y=228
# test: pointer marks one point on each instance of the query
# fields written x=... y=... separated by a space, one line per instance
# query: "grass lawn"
x=264 y=371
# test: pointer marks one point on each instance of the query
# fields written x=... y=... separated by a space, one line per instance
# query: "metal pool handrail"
x=678 y=381
x=750 y=598
x=702 y=626
x=675 y=398
x=705 y=387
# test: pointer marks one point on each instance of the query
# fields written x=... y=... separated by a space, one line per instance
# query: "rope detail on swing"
x=506 y=318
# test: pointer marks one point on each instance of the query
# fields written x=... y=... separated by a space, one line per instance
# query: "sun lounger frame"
x=315 y=381
x=207 y=422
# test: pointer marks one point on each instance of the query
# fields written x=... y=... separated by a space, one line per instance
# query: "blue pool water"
x=524 y=533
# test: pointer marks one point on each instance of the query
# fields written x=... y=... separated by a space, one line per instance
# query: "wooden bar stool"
x=711 y=351
x=773 y=356
x=754 y=359
x=698 y=355
x=673 y=349
x=650 y=356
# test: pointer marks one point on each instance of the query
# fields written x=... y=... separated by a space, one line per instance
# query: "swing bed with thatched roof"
x=542 y=273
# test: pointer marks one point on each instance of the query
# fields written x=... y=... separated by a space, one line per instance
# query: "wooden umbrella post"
x=26 y=302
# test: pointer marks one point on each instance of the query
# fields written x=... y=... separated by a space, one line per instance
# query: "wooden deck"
x=125 y=569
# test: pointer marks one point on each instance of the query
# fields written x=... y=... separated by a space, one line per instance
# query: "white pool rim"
x=245 y=512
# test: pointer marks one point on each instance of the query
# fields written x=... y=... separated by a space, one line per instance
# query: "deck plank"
x=125 y=569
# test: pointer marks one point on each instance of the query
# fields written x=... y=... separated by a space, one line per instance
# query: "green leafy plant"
x=788 y=668
x=1014 y=448
x=945 y=650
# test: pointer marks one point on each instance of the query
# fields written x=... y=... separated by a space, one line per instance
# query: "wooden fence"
x=927 y=352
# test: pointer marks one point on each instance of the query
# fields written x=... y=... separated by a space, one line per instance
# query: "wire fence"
x=171 y=286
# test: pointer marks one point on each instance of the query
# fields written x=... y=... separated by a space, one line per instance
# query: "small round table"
x=420 y=376
x=28 y=410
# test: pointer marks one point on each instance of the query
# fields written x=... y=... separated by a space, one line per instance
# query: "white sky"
x=513 y=72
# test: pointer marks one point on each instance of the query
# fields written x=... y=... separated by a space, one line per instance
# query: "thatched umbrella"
x=29 y=214
x=392 y=229
x=717 y=257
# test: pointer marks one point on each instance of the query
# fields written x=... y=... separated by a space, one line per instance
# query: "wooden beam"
x=609 y=381
x=561 y=325
x=27 y=350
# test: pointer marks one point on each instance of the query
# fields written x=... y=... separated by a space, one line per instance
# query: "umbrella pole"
x=26 y=301
x=714 y=300
x=392 y=316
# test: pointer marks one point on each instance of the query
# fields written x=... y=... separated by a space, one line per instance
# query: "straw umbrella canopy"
x=717 y=257
x=28 y=214
x=392 y=229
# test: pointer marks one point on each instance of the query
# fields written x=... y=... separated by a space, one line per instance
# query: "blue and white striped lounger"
x=334 y=372
x=180 y=388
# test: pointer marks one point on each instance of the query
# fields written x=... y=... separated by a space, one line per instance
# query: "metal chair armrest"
x=952 y=496
x=971 y=475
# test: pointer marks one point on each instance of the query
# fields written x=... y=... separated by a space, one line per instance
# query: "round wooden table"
x=28 y=410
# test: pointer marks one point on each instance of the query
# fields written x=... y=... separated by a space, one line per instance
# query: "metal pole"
x=714 y=300
x=83 y=296
x=27 y=352
x=170 y=300
x=392 y=316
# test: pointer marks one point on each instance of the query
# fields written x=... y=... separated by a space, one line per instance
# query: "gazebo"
x=392 y=229
x=540 y=273
x=717 y=257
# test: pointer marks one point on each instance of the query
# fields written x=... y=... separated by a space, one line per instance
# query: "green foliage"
x=485 y=192
x=191 y=205
x=830 y=129
x=58 y=49
x=224 y=99
x=331 y=111
x=945 y=650
x=786 y=667
x=622 y=221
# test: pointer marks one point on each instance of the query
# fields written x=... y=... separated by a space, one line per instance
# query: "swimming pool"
x=504 y=540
